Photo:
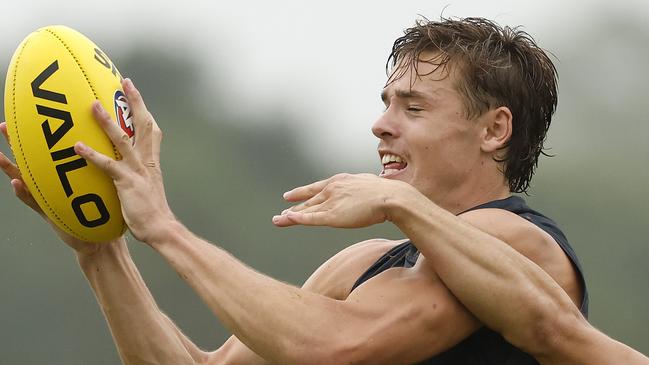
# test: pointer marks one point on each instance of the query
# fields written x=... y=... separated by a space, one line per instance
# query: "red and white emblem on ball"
x=123 y=113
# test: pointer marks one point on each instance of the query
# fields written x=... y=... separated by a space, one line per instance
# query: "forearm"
x=504 y=289
x=277 y=321
x=142 y=333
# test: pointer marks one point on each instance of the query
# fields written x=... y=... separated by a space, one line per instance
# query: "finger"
x=8 y=167
x=316 y=200
x=156 y=141
x=3 y=130
x=305 y=192
x=135 y=100
x=282 y=220
x=106 y=164
x=143 y=121
x=21 y=191
x=116 y=135
x=311 y=218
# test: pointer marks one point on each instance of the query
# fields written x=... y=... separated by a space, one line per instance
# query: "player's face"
x=425 y=136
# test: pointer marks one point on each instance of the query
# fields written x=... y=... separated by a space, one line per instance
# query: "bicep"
x=405 y=316
x=399 y=316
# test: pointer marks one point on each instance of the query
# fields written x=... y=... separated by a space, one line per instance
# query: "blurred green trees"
x=225 y=176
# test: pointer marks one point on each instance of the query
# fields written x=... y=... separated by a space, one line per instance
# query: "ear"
x=497 y=129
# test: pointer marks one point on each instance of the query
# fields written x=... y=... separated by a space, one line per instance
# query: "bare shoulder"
x=531 y=241
x=336 y=276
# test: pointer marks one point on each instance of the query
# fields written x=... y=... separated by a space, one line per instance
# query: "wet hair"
x=495 y=66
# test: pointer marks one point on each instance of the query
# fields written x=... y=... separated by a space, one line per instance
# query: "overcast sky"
x=323 y=60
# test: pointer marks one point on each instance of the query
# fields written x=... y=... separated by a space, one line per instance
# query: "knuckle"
x=145 y=122
x=157 y=132
x=149 y=121
x=124 y=139
x=104 y=117
x=140 y=169
x=108 y=164
x=330 y=188
x=136 y=96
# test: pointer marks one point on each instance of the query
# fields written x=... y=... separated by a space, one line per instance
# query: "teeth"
x=387 y=158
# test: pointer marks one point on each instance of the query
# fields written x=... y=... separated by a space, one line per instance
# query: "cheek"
x=444 y=142
x=447 y=158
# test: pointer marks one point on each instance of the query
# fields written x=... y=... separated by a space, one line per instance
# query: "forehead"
x=427 y=79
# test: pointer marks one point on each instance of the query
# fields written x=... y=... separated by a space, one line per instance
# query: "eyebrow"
x=403 y=94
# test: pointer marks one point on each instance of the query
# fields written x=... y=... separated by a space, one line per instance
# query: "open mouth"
x=392 y=164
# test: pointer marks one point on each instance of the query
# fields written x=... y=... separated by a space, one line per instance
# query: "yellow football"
x=53 y=78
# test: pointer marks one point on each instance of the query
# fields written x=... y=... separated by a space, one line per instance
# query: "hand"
x=137 y=176
x=342 y=201
x=21 y=191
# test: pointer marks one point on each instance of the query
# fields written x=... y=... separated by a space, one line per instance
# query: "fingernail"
x=285 y=195
x=128 y=84
x=80 y=147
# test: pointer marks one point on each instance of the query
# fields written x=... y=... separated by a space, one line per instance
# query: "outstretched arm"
x=503 y=288
x=143 y=333
x=281 y=323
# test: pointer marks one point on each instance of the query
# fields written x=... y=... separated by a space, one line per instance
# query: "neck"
x=477 y=189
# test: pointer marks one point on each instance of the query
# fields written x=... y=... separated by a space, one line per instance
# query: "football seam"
x=83 y=72
x=53 y=33
x=22 y=152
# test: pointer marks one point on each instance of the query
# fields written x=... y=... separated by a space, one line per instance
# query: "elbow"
x=548 y=331
x=556 y=331
x=342 y=337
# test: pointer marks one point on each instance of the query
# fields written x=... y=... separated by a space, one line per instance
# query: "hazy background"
x=257 y=97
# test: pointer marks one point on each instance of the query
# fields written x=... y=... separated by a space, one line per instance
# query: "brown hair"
x=498 y=66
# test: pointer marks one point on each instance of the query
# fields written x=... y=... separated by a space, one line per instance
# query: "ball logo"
x=123 y=113
x=65 y=159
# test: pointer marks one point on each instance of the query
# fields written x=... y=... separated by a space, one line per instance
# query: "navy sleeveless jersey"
x=483 y=347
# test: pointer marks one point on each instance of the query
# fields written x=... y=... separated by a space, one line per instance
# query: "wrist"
x=164 y=232
x=150 y=228
x=101 y=251
x=400 y=201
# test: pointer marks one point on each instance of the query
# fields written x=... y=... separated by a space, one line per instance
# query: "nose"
x=386 y=126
